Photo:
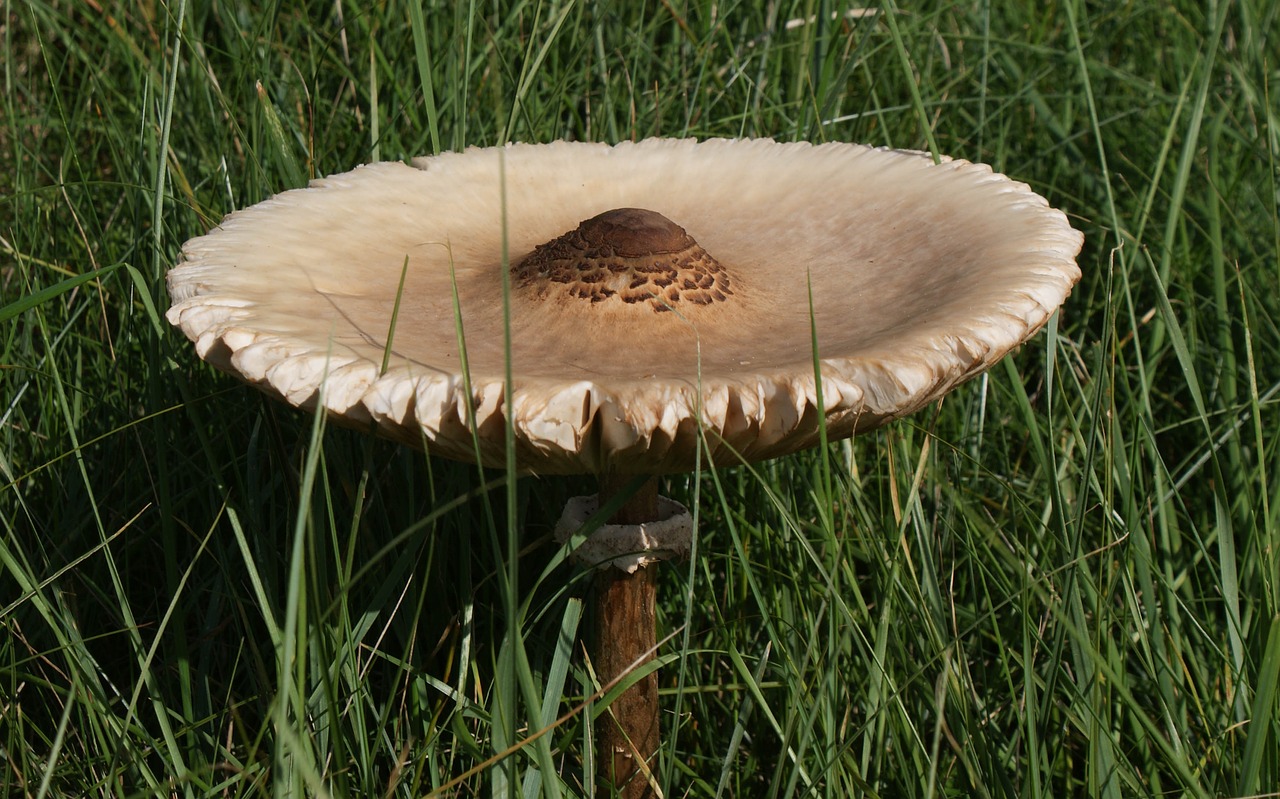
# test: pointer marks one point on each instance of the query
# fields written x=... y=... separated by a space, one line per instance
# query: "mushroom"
x=662 y=296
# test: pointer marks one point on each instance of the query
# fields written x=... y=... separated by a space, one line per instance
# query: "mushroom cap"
x=913 y=276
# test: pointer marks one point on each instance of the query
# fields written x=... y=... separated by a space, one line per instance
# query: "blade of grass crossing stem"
x=622 y=683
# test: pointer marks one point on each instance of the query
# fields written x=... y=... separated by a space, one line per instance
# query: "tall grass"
x=1062 y=580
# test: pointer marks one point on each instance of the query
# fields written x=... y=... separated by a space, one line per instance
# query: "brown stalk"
x=626 y=632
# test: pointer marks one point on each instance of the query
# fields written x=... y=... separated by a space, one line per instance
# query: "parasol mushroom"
x=663 y=295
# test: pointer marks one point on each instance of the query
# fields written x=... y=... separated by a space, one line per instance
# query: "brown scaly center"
x=627 y=255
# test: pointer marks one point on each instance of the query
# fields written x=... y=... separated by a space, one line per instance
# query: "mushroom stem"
x=626 y=632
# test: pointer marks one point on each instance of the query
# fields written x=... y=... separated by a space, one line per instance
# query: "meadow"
x=1061 y=580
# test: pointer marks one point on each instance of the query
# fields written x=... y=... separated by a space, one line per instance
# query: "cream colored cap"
x=914 y=275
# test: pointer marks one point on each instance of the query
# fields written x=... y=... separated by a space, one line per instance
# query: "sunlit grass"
x=1062 y=580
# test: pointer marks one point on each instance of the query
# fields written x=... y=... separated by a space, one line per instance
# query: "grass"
x=1063 y=580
